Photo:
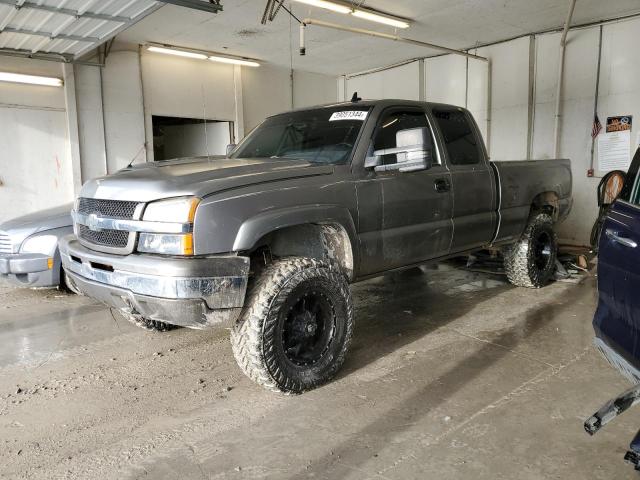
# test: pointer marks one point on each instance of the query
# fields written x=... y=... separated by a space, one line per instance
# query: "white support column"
x=238 y=124
x=146 y=109
x=72 y=125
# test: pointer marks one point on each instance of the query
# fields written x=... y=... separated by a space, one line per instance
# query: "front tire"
x=295 y=330
x=531 y=262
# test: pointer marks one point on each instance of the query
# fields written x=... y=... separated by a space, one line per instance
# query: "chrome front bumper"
x=196 y=292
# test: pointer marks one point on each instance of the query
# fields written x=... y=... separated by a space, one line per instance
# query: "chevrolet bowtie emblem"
x=93 y=222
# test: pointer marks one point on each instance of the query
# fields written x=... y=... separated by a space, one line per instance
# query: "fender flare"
x=254 y=228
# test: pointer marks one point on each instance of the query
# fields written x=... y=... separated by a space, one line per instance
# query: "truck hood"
x=22 y=227
x=199 y=176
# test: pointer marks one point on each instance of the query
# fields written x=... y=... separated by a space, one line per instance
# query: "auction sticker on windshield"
x=349 y=115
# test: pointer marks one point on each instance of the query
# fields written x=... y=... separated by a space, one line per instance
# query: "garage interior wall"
x=115 y=105
x=35 y=158
x=524 y=75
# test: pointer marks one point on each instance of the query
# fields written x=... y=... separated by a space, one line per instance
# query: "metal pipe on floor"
x=563 y=45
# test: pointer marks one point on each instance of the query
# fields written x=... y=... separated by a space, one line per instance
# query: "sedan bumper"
x=190 y=292
x=28 y=269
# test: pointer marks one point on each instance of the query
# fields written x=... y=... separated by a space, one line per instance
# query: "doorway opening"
x=176 y=137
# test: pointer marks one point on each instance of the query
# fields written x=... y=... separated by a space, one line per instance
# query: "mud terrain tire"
x=531 y=262
x=296 y=327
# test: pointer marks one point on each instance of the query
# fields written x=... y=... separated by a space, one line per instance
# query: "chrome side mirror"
x=414 y=151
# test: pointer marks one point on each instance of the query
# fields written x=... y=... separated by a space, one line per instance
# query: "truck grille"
x=5 y=243
x=107 y=208
x=107 y=238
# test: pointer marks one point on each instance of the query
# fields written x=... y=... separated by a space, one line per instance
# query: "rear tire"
x=296 y=327
x=531 y=262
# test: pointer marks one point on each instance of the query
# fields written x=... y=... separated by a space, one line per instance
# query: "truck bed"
x=520 y=182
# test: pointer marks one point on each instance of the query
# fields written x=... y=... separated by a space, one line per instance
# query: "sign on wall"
x=614 y=146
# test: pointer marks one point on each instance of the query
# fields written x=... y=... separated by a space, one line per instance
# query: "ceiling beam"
x=211 y=6
x=51 y=35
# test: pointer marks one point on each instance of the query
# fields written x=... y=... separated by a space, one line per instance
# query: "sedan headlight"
x=179 y=210
x=45 y=244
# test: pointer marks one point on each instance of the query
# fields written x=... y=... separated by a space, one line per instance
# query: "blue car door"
x=617 y=318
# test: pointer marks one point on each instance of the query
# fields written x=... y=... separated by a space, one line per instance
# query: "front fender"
x=253 y=229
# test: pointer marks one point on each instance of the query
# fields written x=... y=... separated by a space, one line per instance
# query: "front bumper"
x=196 y=292
x=28 y=269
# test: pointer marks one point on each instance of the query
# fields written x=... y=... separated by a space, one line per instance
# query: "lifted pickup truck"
x=266 y=240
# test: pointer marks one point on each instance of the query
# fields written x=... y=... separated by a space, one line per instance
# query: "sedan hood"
x=199 y=176
x=22 y=227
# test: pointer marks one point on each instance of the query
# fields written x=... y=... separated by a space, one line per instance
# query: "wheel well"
x=324 y=241
x=546 y=202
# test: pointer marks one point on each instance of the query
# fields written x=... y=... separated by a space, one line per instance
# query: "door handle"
x=627 y=242
x=442 y=185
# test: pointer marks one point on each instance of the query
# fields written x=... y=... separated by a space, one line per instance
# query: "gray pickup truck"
x=266 y=240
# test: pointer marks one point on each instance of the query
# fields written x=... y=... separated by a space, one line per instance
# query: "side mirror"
x=230 y=148
x=414 y=151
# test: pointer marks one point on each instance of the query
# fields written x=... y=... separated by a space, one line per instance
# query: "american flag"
x=597 y=126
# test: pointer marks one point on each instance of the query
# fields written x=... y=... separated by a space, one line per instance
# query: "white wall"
x=266 y=91
x=93 y=156
x=35 y=165
x=399 y=82
x=123 y=110
x=311 y=89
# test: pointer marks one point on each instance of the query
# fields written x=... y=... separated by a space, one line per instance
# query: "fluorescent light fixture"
x=334 y=7
x=234 y=61
x=375 y=17
x=341 y=7
x=179 y=53
x=30 y=79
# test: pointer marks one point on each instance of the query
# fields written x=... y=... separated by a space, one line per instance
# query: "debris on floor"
x=573 y=265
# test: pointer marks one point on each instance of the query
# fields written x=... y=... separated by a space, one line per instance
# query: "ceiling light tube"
x=334 y=7
x=179 y=53
x=375 y=17
x=234 y=61
x=30 y=79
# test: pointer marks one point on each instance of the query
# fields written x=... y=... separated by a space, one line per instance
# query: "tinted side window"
x=459 y=137
x=390 y=124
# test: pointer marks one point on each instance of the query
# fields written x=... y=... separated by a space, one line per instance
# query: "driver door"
x=416 y=206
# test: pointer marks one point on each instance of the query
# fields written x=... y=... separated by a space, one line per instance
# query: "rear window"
x=459 y=136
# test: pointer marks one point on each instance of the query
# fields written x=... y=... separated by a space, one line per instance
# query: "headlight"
x=179 y=210
x=45 y=244
x=166 y=244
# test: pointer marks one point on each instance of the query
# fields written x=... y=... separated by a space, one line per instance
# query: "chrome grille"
x=5 y=243
x=107 y=208
x=107 y=238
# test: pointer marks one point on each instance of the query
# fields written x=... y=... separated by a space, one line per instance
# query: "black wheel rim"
x=542 y=248
x=309 y=326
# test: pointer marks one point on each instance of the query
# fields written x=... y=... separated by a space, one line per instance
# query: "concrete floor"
x=452 y=375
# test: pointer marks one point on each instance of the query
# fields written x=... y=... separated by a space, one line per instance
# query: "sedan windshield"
x=324 y=135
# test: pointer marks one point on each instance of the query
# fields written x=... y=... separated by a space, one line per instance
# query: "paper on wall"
x=614 y=151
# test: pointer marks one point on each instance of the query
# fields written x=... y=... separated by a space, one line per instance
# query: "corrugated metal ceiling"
x=66 y=28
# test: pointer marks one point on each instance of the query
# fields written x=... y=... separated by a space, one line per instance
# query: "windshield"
x=325 y=135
